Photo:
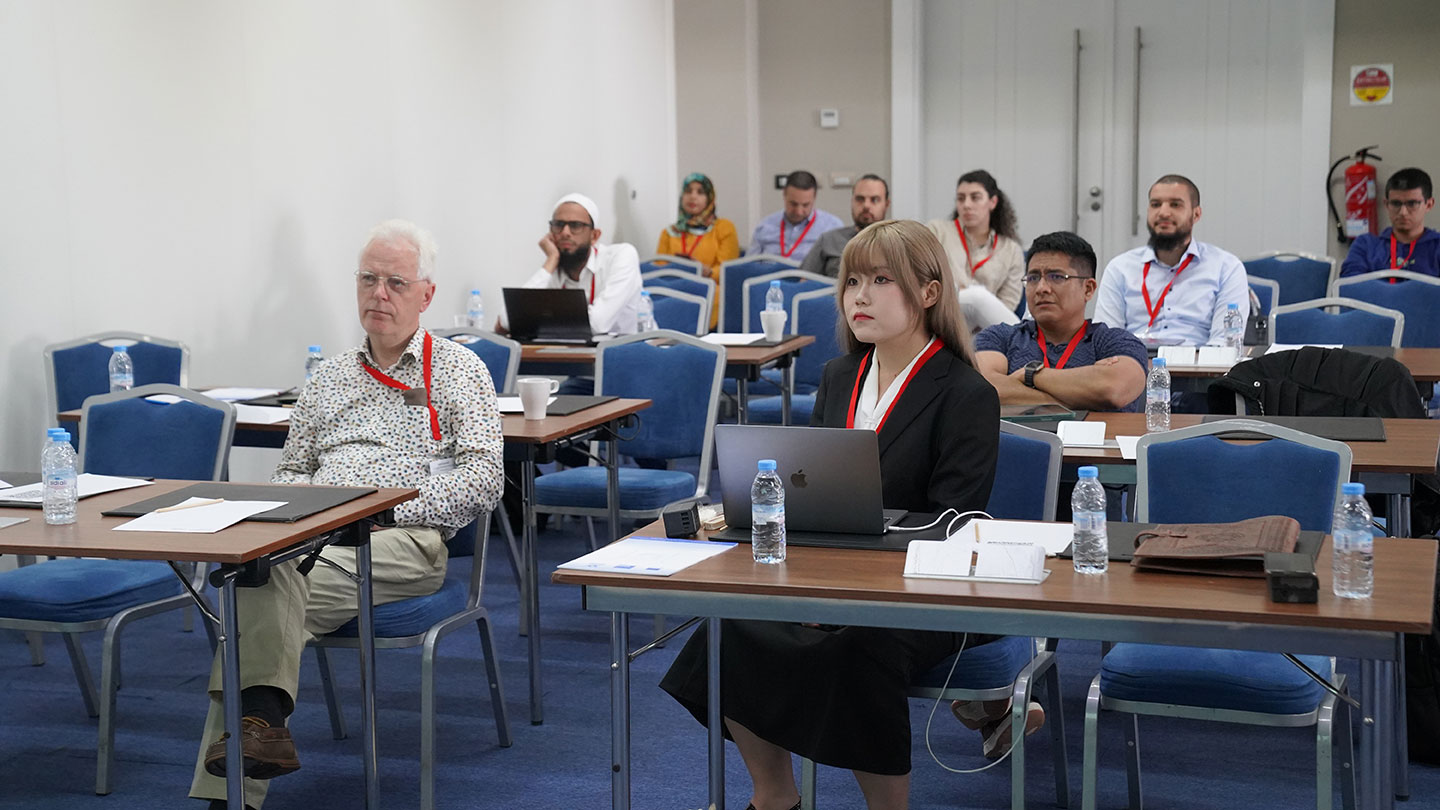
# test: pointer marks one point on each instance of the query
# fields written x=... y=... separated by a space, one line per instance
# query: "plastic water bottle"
x=1353 y=565
x=475 y=311
x=1087 y=505
x=645 y=317
x=774 y=298
x=313 y=359
x=57 y=470
x=122 y=370
x=1157 y=397
x=767 y=514
x=1235 y=330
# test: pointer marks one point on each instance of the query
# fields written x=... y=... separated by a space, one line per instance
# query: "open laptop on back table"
x=832 y=484
x=548 y=315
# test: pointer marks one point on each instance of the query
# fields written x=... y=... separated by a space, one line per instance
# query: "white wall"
x=205 y=171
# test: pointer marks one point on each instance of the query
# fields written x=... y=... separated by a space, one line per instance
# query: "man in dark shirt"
x=1083 y=364
x=869 y=204
x=1407 y=244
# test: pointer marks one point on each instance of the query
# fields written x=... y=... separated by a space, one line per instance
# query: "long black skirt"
x=834 y=695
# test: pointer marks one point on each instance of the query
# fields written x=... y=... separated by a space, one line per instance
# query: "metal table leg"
x=787 y=389
x=713 y=717
x=531 y=597
x=230 y=686
x=612 y=481
x=1377 y=701
x=742 y=401
x=620 y=711
x=367 y=668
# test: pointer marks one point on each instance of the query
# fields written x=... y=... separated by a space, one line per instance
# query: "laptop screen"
x=540 y=314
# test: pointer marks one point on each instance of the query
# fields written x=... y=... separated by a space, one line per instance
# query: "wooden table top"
x=734 y=355
x=1404 y=587
x=91 y=536
x=1410 y=447
x=1423 y=363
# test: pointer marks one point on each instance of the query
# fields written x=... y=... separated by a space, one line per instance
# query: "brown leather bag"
x=1224 y=549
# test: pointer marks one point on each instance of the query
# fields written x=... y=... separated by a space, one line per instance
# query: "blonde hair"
x=914 y=258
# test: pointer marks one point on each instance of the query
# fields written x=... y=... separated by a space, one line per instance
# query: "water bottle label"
x=1089 y=521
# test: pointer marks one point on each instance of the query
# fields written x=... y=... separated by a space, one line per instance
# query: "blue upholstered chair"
x=792 y=283
x=811 y=313
x=1301 y=276
x=76 y=369
x=686 y=282
x=121 y=434
x=1416 y=295
x=1266 y=291
x=1357 y=324
x=421 y=622
x=732 y=279
x=679 y=263
x=679 y=311
x=680 y=374
x=500 y=354
x=1192 y=476
x=1027 y=480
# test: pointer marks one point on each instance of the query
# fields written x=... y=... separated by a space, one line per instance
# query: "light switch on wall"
x=829 y=118
x=842 y=179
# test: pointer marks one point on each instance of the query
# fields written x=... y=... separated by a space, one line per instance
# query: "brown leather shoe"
x=269 y=751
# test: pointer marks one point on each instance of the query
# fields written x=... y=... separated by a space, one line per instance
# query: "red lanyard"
x=391 y=382
x=994 y=240
x=688 y=251
x=1395 y=264
x=1155 y=310
x=788 y=253
x=1069 y=348
x=935 y=346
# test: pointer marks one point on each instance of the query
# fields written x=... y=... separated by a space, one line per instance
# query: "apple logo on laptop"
x=798 y=478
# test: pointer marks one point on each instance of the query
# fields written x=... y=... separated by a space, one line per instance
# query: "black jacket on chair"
x=939 y=445
x=1320 y=382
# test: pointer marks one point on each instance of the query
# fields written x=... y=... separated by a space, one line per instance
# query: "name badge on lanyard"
x=411 y=396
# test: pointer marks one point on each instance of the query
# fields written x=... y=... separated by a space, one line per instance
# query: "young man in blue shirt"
x=1407 y=244
x=1058 y=355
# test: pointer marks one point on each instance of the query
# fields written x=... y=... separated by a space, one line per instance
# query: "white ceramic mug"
x=535 y=395
x=773 y=323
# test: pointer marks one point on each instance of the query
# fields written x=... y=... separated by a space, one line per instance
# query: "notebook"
x=548 y=315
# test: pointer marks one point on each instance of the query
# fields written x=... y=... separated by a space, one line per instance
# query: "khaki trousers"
x=277 y=619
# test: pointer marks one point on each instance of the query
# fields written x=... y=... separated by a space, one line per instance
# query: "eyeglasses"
x=575 y=226
x=1409 y=205
x=1054 y=279
x=366 y=280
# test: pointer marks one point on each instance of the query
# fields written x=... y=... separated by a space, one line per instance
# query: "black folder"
x=566 y=404
x=301 y=501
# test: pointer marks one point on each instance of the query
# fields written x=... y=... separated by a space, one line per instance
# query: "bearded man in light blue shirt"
x=1175 y=289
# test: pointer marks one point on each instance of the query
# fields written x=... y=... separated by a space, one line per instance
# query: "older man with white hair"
x=576 y=259
x=402 y=409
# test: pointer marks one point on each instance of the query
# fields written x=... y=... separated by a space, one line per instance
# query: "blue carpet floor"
x=47 y=744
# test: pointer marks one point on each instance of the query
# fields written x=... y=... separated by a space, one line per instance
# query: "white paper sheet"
x=1127 y=446
x=236 y=393
x=86 y=484
x=206 y=519
x=1074 y=433
x=733 y=338
x=651 y=556
x=261 y=414
x=939 y=558
x=4 y=484
x=1223 y=356
x=1053 y=537
x=1177 y=355
x=164 y=399
x=1022 y=561
x=6 y=523
x=513 y=404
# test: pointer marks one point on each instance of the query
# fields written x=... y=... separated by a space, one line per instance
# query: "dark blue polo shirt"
x=1371 y=253
x=1019 y=345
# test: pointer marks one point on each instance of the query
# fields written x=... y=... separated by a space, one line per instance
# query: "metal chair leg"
x=82 y=673
x=332 y=701
x=1089 y=763
x=1325 y=755
x=109 y=685
x=1132 y=761
x=492 y=675
x=807 y=784
x=36 y=642
x=1056 y=718
x=1346 y=738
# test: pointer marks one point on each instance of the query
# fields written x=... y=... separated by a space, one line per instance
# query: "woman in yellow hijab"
x=697 y=233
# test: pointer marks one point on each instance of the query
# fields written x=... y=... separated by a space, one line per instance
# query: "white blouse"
x=871 y=408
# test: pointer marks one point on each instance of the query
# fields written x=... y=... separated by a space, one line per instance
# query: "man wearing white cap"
x=575 y=259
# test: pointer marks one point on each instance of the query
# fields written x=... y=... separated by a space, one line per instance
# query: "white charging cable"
x=931 y=719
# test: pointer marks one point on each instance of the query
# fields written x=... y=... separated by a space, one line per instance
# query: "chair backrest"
x=681 y=375
x=1192 y=476
x=500 y=354
x=1027 y=474
x=680 y=311
x=684 y=282
x=124 y=434
x=1266 y=291
x=732 y=279
x=791 y=283
x=1358 y=324
x=1301 y=276
x=679 y=263
x=80 y=368
x=1415 y=294
x=814 y=313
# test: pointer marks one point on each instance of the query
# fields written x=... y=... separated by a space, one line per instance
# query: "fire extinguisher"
x=1360 y=196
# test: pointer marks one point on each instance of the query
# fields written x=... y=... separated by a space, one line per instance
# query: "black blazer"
x=939 y=445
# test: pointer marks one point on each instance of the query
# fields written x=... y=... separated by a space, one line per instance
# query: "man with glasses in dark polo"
x=1057 y=355
x=1407 y=244
x=609 y=275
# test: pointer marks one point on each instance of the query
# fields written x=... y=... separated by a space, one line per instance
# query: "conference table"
x=244 y=552
x=846 y=586
x=742 y=364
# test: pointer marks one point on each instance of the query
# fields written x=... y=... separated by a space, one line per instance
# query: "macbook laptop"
x=831 y=475
x=548 y=315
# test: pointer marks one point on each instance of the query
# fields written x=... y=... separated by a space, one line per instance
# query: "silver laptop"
x=831 y=475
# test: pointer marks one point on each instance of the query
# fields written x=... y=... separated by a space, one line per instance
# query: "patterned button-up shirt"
x=349 y=429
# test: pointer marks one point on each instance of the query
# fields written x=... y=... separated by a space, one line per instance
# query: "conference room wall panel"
x=207 y=171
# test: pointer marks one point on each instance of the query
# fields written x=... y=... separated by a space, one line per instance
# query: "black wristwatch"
x=1030 y=369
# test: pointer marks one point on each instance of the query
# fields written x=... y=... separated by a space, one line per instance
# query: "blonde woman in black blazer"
x=838 y=694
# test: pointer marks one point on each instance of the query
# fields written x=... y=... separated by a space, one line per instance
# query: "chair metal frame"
x=102 y=704
x=474 y=612
x=702 y=323
x=512 y=365
x=779 y=275
x=694 y=266
x=1281 y=254
x=1270 y=284
x=712 y=290
x=128 y=338
x=759 y=257
x=1323 y=717
x=1348 y=303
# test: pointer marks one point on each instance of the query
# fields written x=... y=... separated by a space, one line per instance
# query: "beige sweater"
x=1003 y=275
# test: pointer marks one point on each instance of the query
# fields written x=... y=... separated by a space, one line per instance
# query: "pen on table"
x=177 y=507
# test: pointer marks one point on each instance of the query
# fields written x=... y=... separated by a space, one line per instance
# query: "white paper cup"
x=535 y=395
x=774 y=325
